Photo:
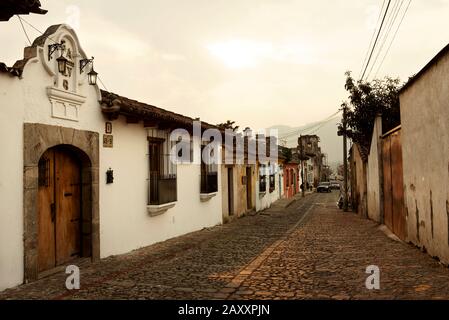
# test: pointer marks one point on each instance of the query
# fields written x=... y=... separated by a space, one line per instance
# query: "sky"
x=257 y=62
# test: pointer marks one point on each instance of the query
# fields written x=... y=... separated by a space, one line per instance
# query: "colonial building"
x=86 y=173
x=291 y=174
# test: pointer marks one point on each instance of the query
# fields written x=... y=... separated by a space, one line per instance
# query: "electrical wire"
x=377 y=38
x=394 y=37
x=312 y=127
x=372 y=37
x=391 y=21
x=23 y=28
x=39 y=31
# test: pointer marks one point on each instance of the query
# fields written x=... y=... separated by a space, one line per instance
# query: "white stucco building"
x=84 y=172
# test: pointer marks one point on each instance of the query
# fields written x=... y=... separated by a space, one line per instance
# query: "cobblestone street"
x=311 y=250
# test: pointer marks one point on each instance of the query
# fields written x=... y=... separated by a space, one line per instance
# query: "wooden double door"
x=394 y=209
x=59 y=208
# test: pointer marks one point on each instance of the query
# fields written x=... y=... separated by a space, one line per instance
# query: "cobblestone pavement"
x=310 y=250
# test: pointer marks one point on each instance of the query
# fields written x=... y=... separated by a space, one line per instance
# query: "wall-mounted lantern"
x=92 y=75
x=109 y=176
x=62 y=61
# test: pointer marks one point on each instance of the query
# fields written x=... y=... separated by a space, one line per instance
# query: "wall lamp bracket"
x=52 y=48
x=84 y=63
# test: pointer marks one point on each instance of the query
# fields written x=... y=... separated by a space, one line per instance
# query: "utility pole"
x=301 y=160
x=345 y=159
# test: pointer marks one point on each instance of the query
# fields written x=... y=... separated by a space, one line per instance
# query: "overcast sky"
x=258 y=62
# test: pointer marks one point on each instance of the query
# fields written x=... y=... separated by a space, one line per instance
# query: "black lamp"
x=62 y=61
x=92 y=77
x=62 y=64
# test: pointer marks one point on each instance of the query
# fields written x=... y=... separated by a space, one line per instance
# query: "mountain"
x=330 y=143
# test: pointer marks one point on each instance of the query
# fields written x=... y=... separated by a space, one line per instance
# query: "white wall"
x=265 y=200
x=25 y=101
x=124 y=221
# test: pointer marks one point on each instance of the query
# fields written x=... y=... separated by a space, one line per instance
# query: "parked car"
x=324 y=187
x=335 y=185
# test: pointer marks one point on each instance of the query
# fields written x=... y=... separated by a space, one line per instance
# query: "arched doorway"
x=80 y=146
x=62 y=232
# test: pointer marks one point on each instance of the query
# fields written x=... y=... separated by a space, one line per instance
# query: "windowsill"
x=156 y=210
x=207 y=196
x=262 y=193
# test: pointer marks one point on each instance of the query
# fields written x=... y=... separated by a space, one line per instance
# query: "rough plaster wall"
x=361 y=183
x=425 y=148
x=373 y=182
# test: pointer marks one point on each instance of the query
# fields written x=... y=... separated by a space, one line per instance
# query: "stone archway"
x=37 y=139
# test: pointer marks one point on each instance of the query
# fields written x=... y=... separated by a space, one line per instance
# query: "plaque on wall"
x=108 y=141
x=108 y=128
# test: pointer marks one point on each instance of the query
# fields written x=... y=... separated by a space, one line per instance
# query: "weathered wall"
x=373 y=174
x=425 y=150
x=358 y=189
x=291 y=185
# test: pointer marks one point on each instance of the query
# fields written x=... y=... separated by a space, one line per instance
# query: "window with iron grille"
x=209 y=173
x=163 y=180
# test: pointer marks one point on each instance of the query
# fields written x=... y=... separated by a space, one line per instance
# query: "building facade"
x=84 y=171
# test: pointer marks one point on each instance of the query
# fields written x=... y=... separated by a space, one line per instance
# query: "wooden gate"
x=59 y=206
x=394 y=211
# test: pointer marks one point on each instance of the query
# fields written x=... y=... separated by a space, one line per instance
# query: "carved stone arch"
x=37 y=139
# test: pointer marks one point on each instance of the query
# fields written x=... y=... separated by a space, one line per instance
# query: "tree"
x=366 y=101
x=228 y=125
x=287 y=154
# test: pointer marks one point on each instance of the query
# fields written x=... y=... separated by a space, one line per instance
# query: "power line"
x=372 y=37
x=322 y=125
x=39 y=31
x=377 y=38
x=312 y=127
x=391 y=21
x=23 y=28
x=394 y=37
x=296 y=131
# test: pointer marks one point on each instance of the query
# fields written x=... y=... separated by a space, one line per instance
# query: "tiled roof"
x=5 y=69
x=142 y=111
x=9 y=8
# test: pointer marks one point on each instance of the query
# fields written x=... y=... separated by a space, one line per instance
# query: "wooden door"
x=394 y=210
x=47 y=212
x=59 y=207
x=388 y=199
